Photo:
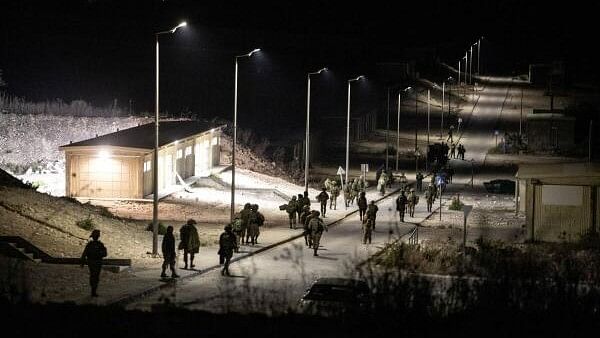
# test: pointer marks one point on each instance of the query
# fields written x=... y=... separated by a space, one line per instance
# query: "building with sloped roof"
x=119 y=165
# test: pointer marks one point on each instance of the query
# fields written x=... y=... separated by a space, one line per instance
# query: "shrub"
x=456 y=204
x=162 y=229
x=86 y=224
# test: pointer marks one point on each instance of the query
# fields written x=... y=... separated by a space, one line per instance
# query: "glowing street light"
x=235 y=130
x=348 y=127
x=155 y=155
x=307 y=142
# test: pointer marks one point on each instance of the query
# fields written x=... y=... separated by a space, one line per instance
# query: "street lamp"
x=348 y=127
x=471 y=66
x=398 y=126
x=307 y=142
x=155 y=155
x=235 y=131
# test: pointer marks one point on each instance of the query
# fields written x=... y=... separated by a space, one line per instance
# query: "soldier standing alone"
x=429 y=198
x=362 y=206
x=401 y=205
x=367 y=230
x=92 y=255
x=322 y=198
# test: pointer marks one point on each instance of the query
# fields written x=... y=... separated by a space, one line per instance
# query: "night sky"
x=103 y=50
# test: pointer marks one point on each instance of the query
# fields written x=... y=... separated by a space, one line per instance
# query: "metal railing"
x=413 y=236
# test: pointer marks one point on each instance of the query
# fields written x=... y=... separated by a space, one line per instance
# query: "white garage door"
x=105 y=177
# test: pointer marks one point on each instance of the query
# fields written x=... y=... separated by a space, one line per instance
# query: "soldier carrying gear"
x=168 y=251
x=413 y=199
x=401 y=205
x=291 y=209
x=307 y=232
x=347 y=194
x=255 y=221
x=383 y=179
x=372 y=213
x=335 y=192
x=355 y=190
x=305 y=199
x=304 y=217
x=236 y=226
x=453 y=150
x=190 y=242
x=227 y=244
x=245 y=218
x=323 y=197
x=92 y=255
x=362 y=205
x=316 y=227
x=402 y=179
x=367 y=230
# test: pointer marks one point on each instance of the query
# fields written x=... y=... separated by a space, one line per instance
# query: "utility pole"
x=416 y=116
x=387 y=131
x=521 y=118
x=590 y=142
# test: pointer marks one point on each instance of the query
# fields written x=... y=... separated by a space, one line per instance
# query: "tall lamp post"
x=398 y=126
x=471 y=66
x=348 y=127
x=234 y=142
x=307 y=141
x=156 y=145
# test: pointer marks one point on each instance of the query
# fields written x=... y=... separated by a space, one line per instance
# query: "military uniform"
x=245 y=218
x=335 y=192
x=292 y=208
x=316 y=227
x=362 y=206
x=304 y=219
x=419 y=181
x=322 y=198
x=367 y=230
x=372 y=213
x=227 y=244
x=190 y=242
x=412 y=202
x=429 y=198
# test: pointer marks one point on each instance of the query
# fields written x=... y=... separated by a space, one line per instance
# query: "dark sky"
x=101 y=50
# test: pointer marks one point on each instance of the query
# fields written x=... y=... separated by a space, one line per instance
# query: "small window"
x=179 y=153
x=188 y=150
x=147 y=166
x=215 y=141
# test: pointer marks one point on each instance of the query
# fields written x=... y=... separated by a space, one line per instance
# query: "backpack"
x=237 y=225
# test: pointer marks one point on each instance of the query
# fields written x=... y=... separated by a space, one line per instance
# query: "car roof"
x=338 y=281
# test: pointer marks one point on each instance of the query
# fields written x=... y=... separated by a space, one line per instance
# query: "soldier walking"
x=245 y=218
x=190 y=242
x=367 y=230
x=429 y=198
x=419 y=181
x=168 y=251
x=401 y=205
x=227 y=244
x=291 y=209
x=335 y=192
x=303 y=219
x=92 y=256
x=322 y=198
x=372 y=212
x=452 y=150
x=305 y=199
x=362 y=206
x=316 y=227
x=412 y=202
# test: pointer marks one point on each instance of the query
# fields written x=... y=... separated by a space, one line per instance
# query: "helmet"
x=228 y=227
x=191 y=221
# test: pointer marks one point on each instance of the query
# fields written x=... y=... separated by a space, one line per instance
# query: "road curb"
x=123 y=301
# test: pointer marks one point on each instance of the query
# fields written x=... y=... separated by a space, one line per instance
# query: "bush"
x=86 y=224
x=456 y=204
x=162 y=229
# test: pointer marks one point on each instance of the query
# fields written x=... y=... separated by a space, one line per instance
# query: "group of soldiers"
x=246 y=225
x=454 y=148
x=353 y=189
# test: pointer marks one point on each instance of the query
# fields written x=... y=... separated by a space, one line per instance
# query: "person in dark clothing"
x=190 y=242
x=362 y=205
x=92 y=255
x=401 y=202
x=227 y=244
x=419 y=181
x=168 y=251
x=322 y=198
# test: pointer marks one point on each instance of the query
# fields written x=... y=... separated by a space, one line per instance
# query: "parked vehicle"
x=336 y=296
x=500 y=187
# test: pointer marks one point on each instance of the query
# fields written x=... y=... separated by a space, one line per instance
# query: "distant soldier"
x=450 y=132
x=355 y=190
x=372 y=212
x=419 y=181
x=450 y=172
x=291 y=209
x=452 y=150
x=227 y=244
x=245 y=217
x=92 y=255
x=322 y=198
x=168 y=251
x=347 y=194
x=190 y=242
x=403 y=181
x=316 y=227
x=362 y=184
x=432 y=190
x=305 y=199
x=362 y=205
x=304 y=218
x=367 y=230
x=236 y=225
x=401 y=202
x=335 y=192
x=413 y=199
x=381 y=183
x=429 y=197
